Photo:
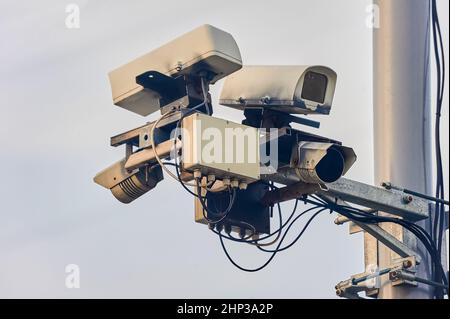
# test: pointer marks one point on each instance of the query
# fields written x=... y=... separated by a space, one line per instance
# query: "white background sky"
x=56 y=117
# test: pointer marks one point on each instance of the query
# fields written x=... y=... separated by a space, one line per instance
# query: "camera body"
x=204 y=52
x=287 y=89
x=127 y=185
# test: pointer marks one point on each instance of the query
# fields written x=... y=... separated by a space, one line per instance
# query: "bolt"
x=179 y=66
x=393 y=276
x=386 y=185
x=407 y=264
x=407 y=199
x=265 y=100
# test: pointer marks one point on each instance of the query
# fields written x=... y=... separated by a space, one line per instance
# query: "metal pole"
x=402 y=119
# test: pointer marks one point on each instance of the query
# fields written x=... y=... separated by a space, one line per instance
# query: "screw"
x=386 y=185
x=407 y=263
x=393 y=276
x=407 y=199
x=179 y=66
x=265 y=100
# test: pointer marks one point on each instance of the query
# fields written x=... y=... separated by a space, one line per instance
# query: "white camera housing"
x=289 y=89
x=127 y=185
x=205 y=48
x=317 y=162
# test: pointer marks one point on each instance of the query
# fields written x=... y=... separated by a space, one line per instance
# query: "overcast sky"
x=56 y=117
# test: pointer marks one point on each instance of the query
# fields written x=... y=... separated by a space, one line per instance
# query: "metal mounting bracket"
x=369 y=280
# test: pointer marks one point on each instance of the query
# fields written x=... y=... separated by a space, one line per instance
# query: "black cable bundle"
x=421 y=234
x=438 y=228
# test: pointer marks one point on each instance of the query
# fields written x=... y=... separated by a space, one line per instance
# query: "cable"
x=417 y=194
x=301 y=233
x=439 y=214
x=437 y=40
x=430 y=282
x=278 y=232
x=265 y=237
x=205 y=96
x=153 y=145
x=223 y=215
x=243 y=239
x=178 y=135
x=361 y=216
x=173 y=111
x=256 y=242
x=270 y=258
x=356 y=281
x=357 y=215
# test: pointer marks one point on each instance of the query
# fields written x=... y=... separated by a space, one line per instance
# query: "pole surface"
x=402 y=119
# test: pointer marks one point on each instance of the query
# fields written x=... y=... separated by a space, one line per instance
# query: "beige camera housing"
x=221 y=148
x=206 y=48
x=128 y=185
x=321 y=163
x=288 y=89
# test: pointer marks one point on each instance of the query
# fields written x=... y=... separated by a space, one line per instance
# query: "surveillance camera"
x=127 y=185
x=288 y=89
x=204 y=52
x=321 y=163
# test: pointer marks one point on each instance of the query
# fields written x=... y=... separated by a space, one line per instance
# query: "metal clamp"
x=401 y=272
x=351 y=287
